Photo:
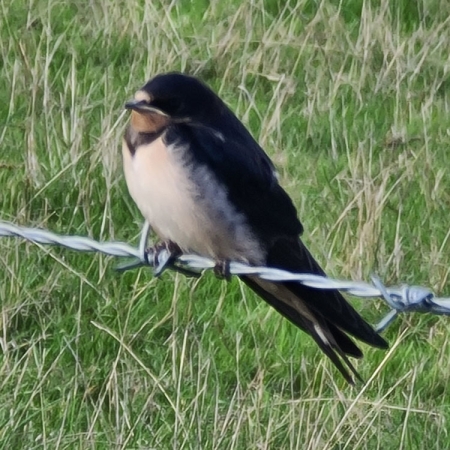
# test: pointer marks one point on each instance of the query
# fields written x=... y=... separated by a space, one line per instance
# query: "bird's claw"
x=222 y=270
x=162 y=256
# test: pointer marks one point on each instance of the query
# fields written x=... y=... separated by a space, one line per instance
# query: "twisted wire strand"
x=401 y=299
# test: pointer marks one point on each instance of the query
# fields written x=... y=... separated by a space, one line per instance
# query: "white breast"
x=185 y=204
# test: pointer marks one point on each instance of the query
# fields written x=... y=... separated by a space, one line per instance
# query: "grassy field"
x=350 y=101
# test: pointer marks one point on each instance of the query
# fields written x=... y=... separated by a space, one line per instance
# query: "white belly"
x=186 y=205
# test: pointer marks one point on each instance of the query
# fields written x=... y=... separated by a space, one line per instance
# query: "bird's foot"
x=162 y=256
x=222 y=269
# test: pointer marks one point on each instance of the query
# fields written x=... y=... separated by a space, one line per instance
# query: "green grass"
x=352 y=104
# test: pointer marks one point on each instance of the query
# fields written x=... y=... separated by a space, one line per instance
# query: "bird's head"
x=172 y=98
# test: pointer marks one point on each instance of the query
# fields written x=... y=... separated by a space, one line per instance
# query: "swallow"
x=207 y=187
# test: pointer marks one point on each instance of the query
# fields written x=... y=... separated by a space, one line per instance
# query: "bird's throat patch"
x=148 y=122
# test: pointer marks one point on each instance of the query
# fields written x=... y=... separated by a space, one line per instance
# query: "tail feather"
x=333 y=342
x=344 y=342
x=291 y=254
x=335 y=353
x=323 y=314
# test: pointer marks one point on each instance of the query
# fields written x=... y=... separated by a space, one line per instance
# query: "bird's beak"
x=143 y=107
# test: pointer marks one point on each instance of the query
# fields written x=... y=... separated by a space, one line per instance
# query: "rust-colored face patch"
x=148 y=122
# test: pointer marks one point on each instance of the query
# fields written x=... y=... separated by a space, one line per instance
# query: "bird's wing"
x=242 y=167
x=248 y=175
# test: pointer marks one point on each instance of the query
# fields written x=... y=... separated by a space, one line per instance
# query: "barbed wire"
x=400 y=299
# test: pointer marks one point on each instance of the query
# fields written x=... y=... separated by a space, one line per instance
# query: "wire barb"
x=401 y=299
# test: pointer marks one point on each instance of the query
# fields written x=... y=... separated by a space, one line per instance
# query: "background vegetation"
x=351 y=101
